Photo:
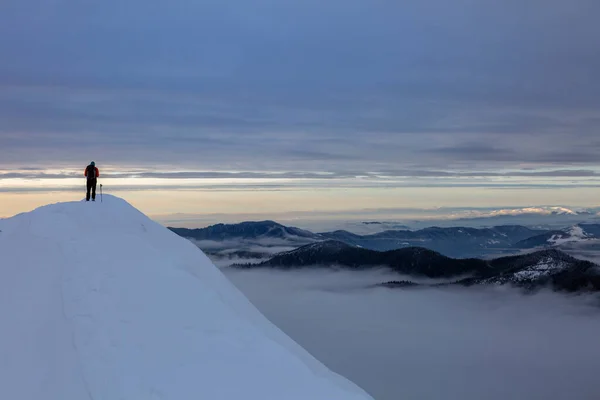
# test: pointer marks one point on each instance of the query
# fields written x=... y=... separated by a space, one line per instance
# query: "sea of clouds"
x=467 y=344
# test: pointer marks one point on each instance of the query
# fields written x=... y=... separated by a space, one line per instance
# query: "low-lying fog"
x=225 y=253
x=467 y=344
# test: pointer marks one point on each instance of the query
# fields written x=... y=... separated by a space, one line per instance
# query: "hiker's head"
x=93 y=164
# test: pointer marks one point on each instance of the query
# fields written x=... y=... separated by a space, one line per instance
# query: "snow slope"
x=99 y=302
x=545 y=267
x=573 y=234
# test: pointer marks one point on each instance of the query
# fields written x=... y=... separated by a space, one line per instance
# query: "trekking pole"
x=100 y=193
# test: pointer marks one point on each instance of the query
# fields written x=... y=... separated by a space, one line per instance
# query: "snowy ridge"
x=100 y=302
x=549 y=210
x=545 y=267
x=573 y=234
x=556 y=210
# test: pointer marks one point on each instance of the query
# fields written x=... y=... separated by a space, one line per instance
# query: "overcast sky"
x=346 y=87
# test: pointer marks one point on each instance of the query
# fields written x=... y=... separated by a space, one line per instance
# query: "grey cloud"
x=483 y=151
x=454 y=344
x=239 y=175
x=523 y=173
x=306 y=185
x=36 y=174
x=540 y=151
x=274 y=84
x=41 y=175
x=140 y=188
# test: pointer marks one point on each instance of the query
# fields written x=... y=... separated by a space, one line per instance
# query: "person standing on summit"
x=92 y=174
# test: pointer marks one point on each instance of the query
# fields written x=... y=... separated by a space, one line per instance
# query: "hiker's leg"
x=89 y=187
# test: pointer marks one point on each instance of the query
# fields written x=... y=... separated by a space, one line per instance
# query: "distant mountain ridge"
x=575 y=233
x=458 y=242
x=246 y=230
x=546 y=268
x=551 y=267
x=412 y=260
x=454 y=241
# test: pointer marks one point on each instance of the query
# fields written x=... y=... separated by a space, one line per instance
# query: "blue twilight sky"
x=367 y=94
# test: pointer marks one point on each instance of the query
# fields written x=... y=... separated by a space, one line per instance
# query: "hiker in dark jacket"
x=91 y=173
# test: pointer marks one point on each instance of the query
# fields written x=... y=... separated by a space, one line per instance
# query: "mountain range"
x=453 y=242
x=247 y=230
x=462 y=242
x=411 y=261
x=546 y=268
x=574 y=233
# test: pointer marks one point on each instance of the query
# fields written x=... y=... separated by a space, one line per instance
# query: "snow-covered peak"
x=563 y=211
x=546 y=266
x=577 y=231
x=98 y=301
x=572 y=234
x=546 y=210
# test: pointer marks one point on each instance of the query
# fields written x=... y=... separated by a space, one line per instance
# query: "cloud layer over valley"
x=463 y=344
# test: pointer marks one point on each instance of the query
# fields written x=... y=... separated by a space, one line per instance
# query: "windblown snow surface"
x=99 y=302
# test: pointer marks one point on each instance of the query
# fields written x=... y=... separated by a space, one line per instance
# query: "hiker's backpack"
x=91 y=172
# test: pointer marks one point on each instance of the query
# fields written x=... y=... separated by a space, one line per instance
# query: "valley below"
x=413 y=322
x=490 y=342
